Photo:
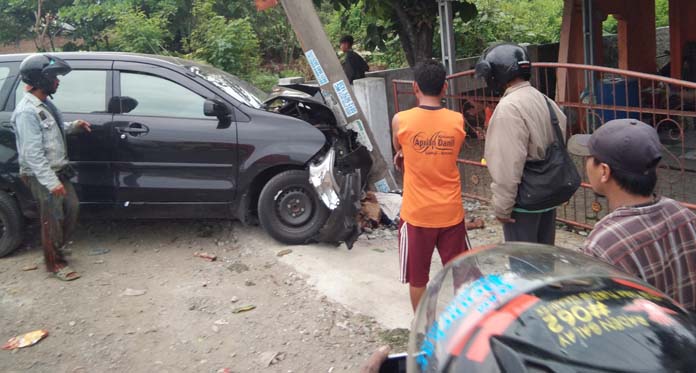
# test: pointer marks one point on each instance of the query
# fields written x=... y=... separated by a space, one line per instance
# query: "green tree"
x=413 y=21
x=136 y=32
x=24 y=19
x=534 y=22
x=95 y=19
x=230 y=45
x=355 y=22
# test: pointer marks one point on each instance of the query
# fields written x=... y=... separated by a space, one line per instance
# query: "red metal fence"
x=592 y=95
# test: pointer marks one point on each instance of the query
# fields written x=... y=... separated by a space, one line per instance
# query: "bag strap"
x=554 y=123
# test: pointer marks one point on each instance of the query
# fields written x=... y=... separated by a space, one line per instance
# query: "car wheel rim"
x=294 y=207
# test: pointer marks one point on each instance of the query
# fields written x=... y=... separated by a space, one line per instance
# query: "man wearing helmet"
x=519 y=131
x=43 y=161
x=651 y=237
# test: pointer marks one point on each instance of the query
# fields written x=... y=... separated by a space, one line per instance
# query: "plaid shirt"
x=656 y=243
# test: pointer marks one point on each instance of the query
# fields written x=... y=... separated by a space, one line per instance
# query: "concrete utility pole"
x=449 y=57
x=328 y=71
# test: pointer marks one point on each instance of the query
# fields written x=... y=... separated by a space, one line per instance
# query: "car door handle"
x=133 y=129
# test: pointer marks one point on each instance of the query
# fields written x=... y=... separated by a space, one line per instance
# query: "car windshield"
x=232 y=85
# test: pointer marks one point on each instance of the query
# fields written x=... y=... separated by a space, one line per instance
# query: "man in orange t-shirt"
x=427 y=140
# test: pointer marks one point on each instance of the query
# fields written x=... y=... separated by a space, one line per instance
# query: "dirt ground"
x=150 y=305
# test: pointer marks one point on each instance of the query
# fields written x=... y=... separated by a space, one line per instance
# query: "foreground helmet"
x=540 y=309
x=41 y=71
x=502 y=63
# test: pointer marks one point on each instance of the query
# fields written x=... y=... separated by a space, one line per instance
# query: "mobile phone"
x=395 y=363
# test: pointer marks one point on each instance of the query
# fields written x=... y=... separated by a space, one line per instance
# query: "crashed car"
x=173 y=138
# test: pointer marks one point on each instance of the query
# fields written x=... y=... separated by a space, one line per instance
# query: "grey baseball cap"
x=624 y=144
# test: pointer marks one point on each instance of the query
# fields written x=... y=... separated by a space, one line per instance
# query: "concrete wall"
x=372 y=98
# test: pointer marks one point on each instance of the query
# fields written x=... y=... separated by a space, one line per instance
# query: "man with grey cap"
x=651 y=237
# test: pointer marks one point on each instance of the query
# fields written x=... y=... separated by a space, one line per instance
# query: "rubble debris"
x=390 y=203
x=244 y=308
x=238 y=267
x=285 y=252
x=133 y=292
x=269 y=358
x=475 y=223
x=378 y=250
x=249 y=283
x=30 y=268
x=472 y=205
x=98 y=251
x=206 y=256
x=25 y=340
x=370 y=211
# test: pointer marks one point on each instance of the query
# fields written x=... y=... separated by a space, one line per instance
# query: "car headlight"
x=321 y=177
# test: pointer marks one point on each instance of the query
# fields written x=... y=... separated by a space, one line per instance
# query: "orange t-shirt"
x=430 y=139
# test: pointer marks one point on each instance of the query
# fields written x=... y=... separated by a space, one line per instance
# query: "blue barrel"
x=613 y=91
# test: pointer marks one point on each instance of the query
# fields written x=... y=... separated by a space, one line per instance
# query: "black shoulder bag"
x=552 y=181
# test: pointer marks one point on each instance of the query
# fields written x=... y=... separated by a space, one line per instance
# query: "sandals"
x=66 y=274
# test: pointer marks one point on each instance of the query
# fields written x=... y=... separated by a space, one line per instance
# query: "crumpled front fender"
x=341 y=194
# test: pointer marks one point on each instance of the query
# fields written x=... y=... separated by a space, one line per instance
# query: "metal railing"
x=590 y=96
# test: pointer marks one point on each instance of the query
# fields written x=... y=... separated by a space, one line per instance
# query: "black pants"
x=530 y=227
x=535 y=228
x=59 y=216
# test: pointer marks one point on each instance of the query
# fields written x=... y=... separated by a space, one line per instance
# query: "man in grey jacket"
x=43 y=161
x=520 y=130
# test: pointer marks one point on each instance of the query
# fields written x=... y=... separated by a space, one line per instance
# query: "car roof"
x=109 y=56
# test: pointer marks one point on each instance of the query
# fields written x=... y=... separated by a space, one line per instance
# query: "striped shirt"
x=656 y=243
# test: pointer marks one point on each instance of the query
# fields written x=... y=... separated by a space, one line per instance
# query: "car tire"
x=290 y=210
x=11 y=224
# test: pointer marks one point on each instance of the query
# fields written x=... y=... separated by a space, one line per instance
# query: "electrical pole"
x=334 y=85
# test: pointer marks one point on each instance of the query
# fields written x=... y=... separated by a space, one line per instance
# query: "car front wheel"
x=290 y=210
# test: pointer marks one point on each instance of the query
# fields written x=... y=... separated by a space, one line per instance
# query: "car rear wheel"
x=290 y=210
x=11 y=224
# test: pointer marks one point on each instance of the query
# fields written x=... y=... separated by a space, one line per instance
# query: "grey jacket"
x=40 y=134
x=519 y=131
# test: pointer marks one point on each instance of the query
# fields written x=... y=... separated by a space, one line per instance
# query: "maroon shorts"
x=416 y=245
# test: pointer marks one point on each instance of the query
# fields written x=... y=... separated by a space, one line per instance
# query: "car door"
x=84 y=94
x=167 y=150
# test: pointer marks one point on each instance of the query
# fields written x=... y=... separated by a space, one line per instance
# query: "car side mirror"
x=215 y=108
x=122 y=104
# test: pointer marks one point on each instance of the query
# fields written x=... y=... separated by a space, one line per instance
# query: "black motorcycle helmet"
x=502 y=63
x=529 y=308
x=41 y=71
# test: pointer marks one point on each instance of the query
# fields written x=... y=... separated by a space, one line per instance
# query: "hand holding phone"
x=395 y=363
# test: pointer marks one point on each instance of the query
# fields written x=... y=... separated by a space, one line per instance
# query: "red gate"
x=590 y=96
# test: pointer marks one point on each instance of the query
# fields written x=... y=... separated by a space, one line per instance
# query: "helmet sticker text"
x=483 y=294
x=583 y=316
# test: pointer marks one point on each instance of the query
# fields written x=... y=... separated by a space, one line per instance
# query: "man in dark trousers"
x=354 y=66
x=43 y=157
x=519 y=131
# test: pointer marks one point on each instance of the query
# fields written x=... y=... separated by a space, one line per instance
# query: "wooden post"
x=328 y=71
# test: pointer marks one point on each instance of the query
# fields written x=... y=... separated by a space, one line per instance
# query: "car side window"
x=161 y=97
x=81 y=91
x=4 y=75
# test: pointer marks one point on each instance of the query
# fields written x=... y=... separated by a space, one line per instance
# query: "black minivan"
x=173 y=138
